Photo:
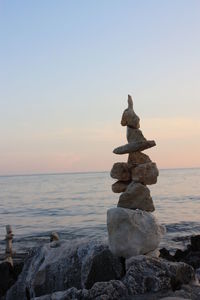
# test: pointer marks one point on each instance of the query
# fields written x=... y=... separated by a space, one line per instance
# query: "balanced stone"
x=120 y=186
x=136 y=158
x=120 y=171
x=129 y=117
x=145 y=173
x=134 y=147
x=132 y=232
x=136 y=196
x=134 y=135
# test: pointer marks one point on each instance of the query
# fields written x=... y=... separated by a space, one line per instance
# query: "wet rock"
x=138 y=196
x=120 y=171
x=129 y=117
x=120 y=186
x=134 y=147
x=79 y=264
x=145 y=274
x=134 y=135
x=137 y=158
x=132 y=232
x=145 y=173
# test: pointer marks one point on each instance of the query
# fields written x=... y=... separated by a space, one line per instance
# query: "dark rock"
x=164 y=253
x=78 y=264
x=8 y=275
x=195 y=243
x=145 y=274
x=104 y=267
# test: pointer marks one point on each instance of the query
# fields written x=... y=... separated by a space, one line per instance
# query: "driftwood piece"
x=9 y=238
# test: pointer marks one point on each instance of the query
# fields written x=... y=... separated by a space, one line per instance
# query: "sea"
x=75 y=204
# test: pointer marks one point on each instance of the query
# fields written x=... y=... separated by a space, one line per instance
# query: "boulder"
x=129 y=117
x=134 y=147
x=145 y=173
x=120 y=171
x=120 y=186
x=134 y=135
x=76 y=264
x=137 y=158
x=148 y=274
x=138 y=196
x=132 y=232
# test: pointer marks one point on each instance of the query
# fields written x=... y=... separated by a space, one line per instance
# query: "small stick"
x=9 y=238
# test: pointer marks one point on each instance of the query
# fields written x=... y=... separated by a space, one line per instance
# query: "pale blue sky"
x=66 y=68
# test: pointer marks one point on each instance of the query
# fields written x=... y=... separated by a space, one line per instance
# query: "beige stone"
x=120 y=171
x=134 y=147
x=145 y=173
x=129 y=117
x=134 y=135
x=120 y=186
x=136 y=196
x=136 y=158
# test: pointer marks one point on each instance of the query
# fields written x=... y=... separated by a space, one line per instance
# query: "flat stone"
x=137 y=158
x=129 y=117
x=132 y=232
x=120 y=171
x=134 y=135
x=120 y=186
x=134 y=147
x=145 y=173
x=136 y=196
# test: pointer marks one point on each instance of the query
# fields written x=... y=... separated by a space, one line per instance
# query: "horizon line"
x=85 y=172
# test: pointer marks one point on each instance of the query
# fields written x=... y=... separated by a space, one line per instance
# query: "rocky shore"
x=88 y=270
x=129 y=265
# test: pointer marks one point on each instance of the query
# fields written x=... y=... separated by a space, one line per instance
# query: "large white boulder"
x=132 y=232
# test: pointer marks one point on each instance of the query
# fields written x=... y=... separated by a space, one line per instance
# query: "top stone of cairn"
x=129 y=117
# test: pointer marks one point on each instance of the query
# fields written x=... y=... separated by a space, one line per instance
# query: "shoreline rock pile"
x=132 y=229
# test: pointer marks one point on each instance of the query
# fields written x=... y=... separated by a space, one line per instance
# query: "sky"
x=66 y=68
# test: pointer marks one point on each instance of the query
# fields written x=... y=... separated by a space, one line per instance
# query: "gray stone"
x=145 y=173
x=120 y=186
x=120 y=171
x=132 y=232
x=134 y=135
x=147 y=274
x=76 y=264
x=137 y=158
x=134 y=147
x=129 y=117
x=138 y=196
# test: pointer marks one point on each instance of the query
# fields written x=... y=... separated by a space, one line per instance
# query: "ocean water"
x=75 y=205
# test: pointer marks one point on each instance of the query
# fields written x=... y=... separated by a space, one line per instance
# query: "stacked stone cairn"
x=132 y=229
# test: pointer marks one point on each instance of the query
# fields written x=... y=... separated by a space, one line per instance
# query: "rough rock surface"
x=134 y=135
x=120 y=186
x=146 y=279
x=134 y=146
x=146 y=274
x=138 y=196
x=137 y=158
x=129 y=117
x=120 y=171
x=57 y=267
x=132 y=232
x=145 y=173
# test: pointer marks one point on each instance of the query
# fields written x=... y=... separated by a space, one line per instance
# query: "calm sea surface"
x=75 y=206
